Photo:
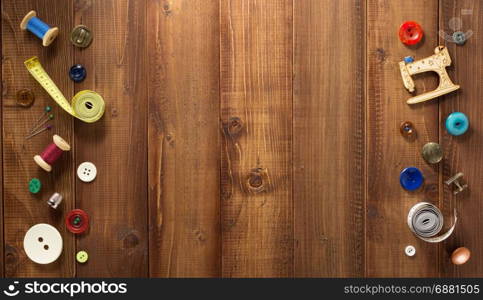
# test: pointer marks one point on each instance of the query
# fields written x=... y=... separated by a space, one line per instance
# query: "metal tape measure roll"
x=425 y=220
x=87 y=106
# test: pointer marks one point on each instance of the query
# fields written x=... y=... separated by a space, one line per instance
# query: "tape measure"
x=426 y=220
x=87 y=106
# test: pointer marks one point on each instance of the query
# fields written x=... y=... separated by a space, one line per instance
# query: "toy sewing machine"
x=436 y=63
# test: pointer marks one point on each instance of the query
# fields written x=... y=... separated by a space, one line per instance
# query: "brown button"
x=25 y=97
x=407 y=129
x=432 y=153
x=460 y=256
x=81 y=36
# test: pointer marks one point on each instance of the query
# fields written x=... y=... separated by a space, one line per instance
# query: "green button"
x=82 y=256
x=34 y=185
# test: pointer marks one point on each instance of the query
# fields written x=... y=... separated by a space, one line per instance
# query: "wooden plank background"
x=242 y=138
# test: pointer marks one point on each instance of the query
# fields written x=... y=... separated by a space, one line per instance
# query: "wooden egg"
x=460 y=256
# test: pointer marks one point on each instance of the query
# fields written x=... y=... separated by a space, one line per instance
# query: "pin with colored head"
x=48 y=127
x=49 y=117
x=47 y=109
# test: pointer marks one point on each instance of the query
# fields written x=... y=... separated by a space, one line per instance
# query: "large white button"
x=43 y=243
x=87 y=171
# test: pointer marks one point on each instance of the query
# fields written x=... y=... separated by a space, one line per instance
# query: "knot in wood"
x=11 y=260
x=431 y=191
x=257 y=180
x=131 y=240
x=166 y=8
x=11 y=255
x=235 y=126
x=114 y=112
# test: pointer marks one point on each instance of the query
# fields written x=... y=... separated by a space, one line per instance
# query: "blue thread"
x=37 y=27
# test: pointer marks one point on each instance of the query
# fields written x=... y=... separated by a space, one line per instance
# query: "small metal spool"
x=54 y=200
x=432 y=153
x=456 y=180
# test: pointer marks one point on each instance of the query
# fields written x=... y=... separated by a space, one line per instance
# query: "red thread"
x=51 y=154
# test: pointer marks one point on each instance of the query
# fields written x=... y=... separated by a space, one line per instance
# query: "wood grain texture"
x=242 y=138
x=2 y=257
x=117 y=144
x=388 y=153
x=184 y=147
x=21 y=208
x=328 y=134
x=463 y=153
x=256 y=112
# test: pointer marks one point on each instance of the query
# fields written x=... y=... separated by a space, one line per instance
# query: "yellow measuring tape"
x=87 y=106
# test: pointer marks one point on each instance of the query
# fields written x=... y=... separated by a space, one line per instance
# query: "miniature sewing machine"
x=436 y=63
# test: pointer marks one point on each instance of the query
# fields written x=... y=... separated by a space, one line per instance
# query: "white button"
x=87 y=171
x=43 y=243
x=410 y=250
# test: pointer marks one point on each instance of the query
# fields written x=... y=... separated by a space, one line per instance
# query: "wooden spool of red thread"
x=52 y=153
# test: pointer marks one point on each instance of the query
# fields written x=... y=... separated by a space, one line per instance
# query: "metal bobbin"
x=456 y=180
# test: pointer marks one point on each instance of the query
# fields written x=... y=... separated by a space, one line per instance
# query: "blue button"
x=408 y=59
x=457 y=123
x=411 y=178
x=77 y=73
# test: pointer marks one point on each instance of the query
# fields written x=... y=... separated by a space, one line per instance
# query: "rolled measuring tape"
x=87 y=106
x=43 y=31
x=426 y=220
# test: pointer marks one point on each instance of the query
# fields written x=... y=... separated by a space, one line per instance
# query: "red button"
x=77 y=221
x=410 y=33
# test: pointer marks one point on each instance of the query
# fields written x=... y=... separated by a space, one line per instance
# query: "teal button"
x=457 y=123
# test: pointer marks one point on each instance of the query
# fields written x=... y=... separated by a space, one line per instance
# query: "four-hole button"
x=87 y=171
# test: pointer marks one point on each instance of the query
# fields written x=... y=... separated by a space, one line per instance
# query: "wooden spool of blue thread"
x=43 y=31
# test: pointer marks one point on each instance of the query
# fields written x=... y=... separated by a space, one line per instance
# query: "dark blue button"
x=411 y=178
x=77 y=73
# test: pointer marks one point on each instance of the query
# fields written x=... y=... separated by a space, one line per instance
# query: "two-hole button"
x=43 y=243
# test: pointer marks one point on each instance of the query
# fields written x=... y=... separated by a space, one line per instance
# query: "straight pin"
x=46 y=111
x=51 y=117
x=48 y=127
